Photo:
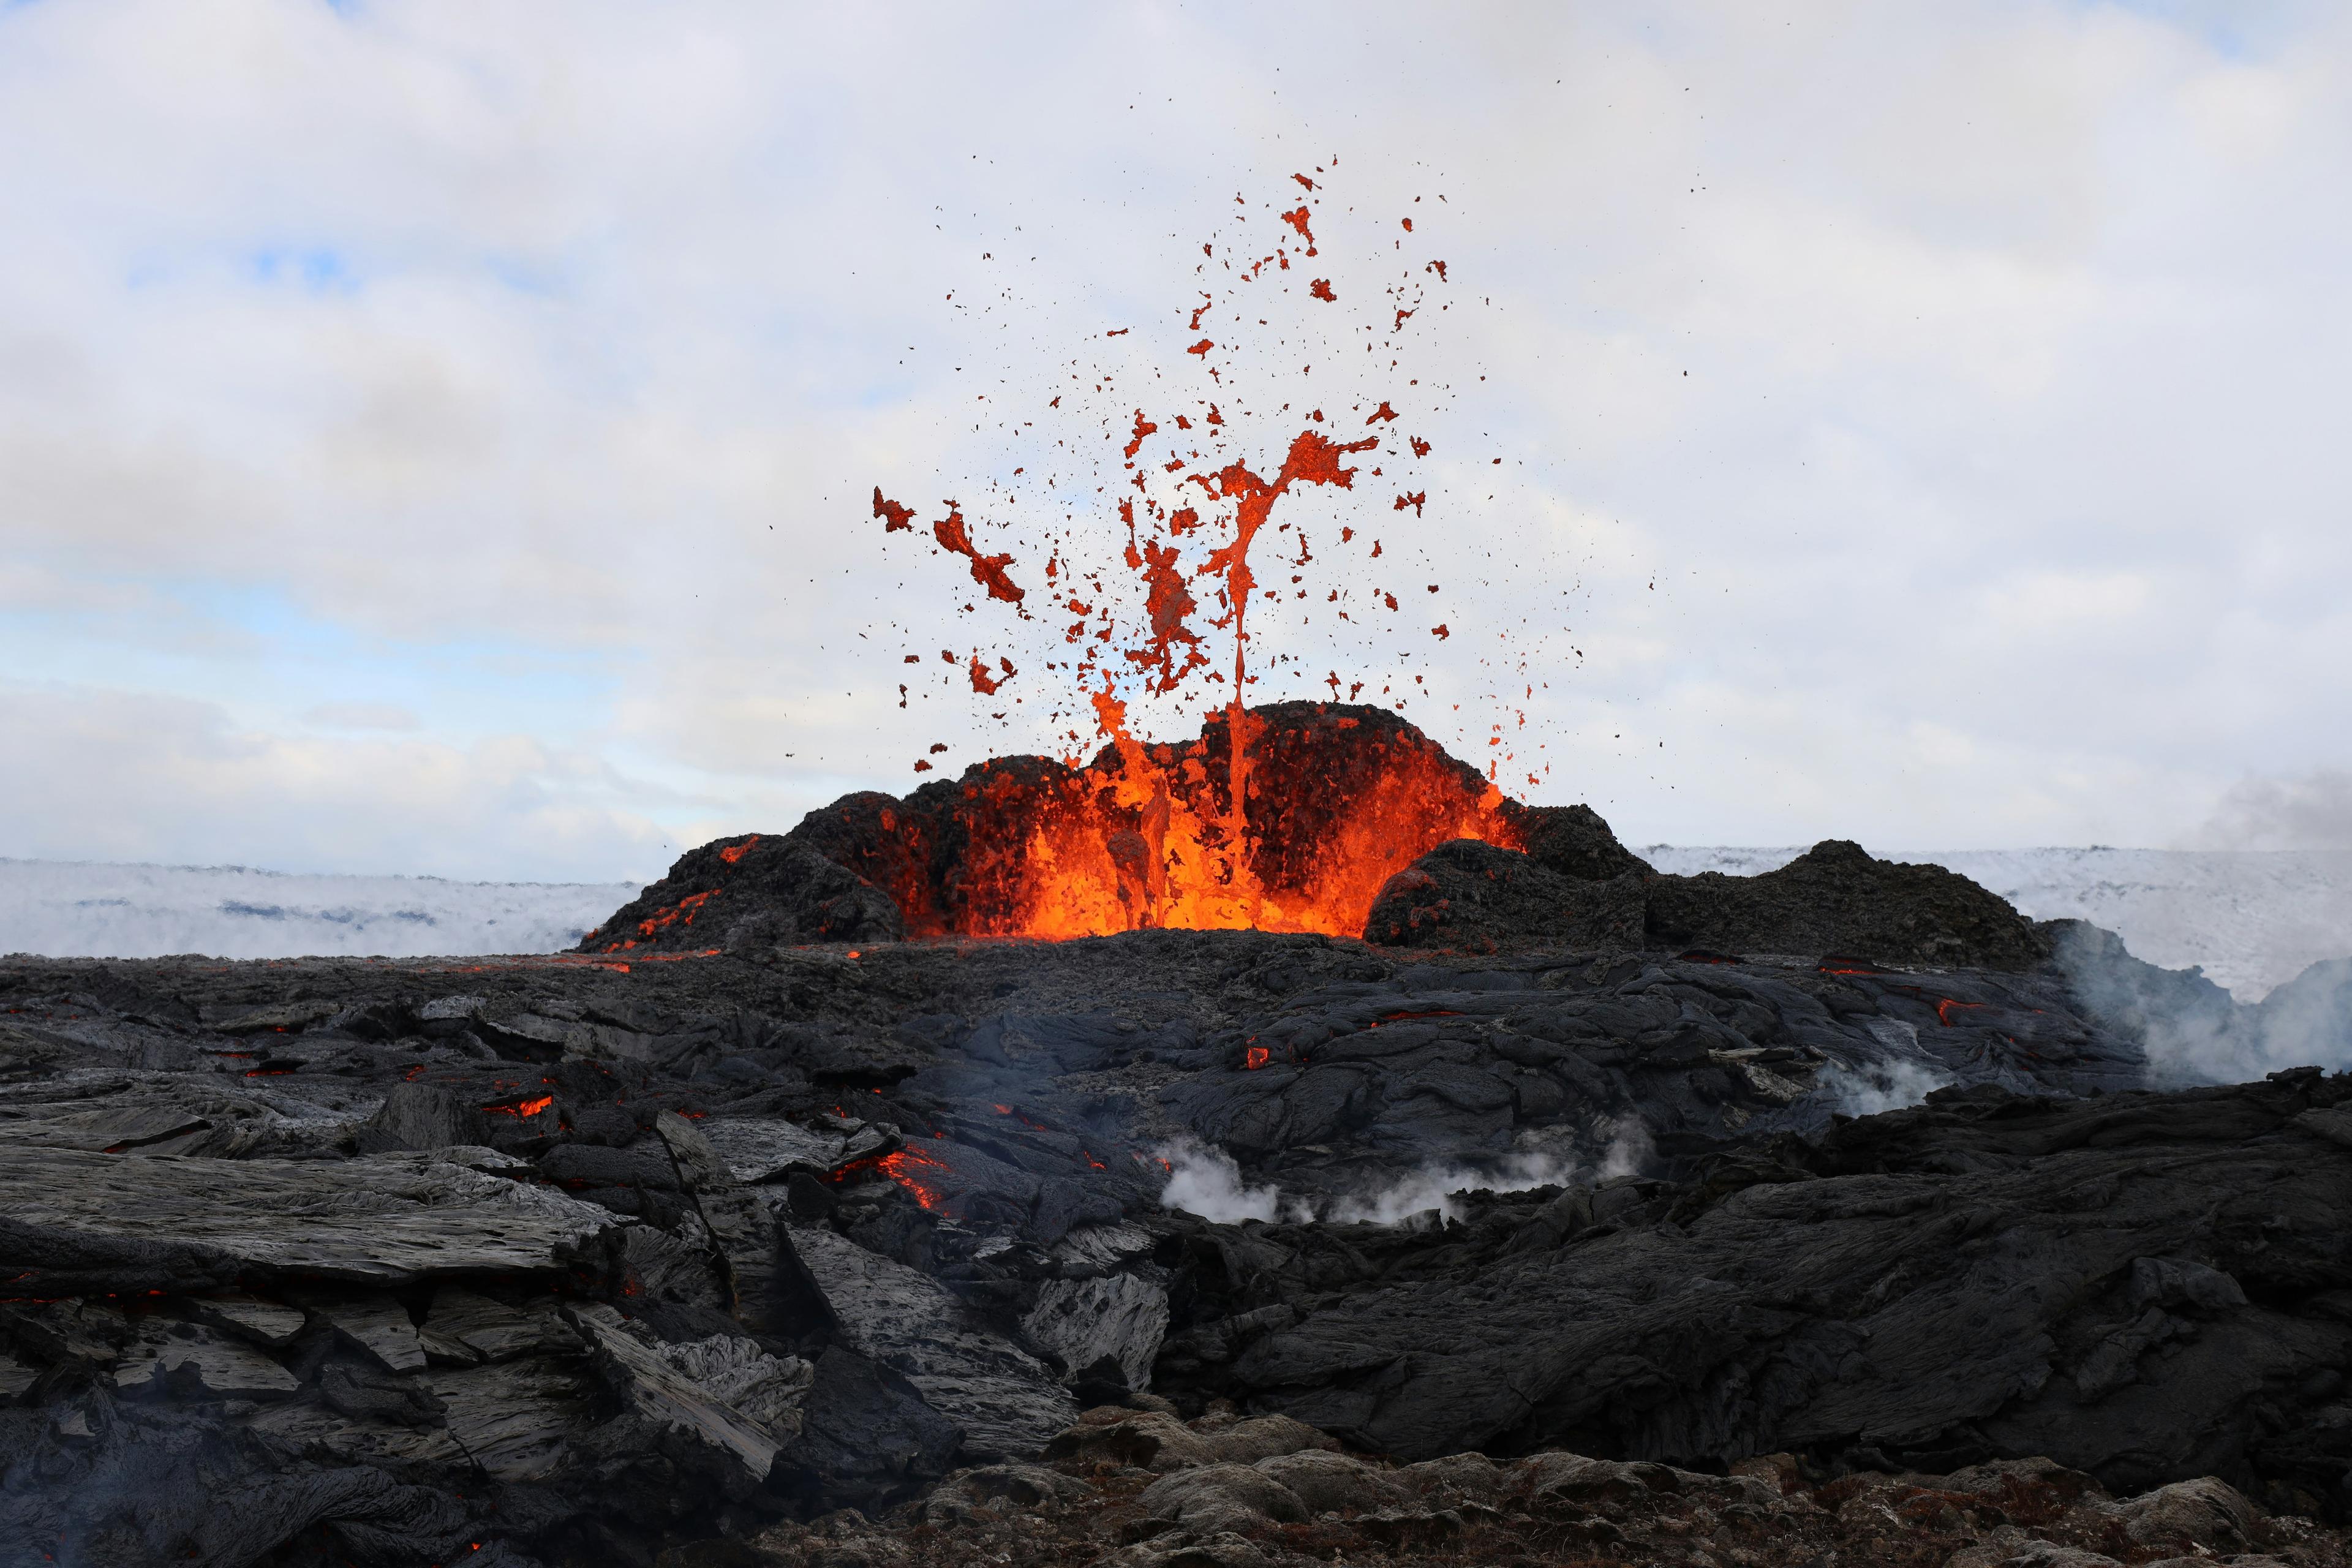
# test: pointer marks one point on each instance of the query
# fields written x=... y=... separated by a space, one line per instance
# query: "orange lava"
x=1144 y=837
x=521 y=1107
x=1292 y=827
x=901 y=1167
x=683 y=911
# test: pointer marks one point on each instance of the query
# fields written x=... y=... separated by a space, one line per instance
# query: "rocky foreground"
x=837 y=1254
x=1129 y=1489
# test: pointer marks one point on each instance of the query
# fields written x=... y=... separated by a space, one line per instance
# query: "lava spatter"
x=1313 y=459
x=1203 y=833
x=954 y=534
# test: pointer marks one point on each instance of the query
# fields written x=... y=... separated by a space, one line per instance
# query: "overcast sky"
x=438 y=437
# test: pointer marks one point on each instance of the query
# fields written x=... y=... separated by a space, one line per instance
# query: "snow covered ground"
x=72 y=910
x=2252 y=920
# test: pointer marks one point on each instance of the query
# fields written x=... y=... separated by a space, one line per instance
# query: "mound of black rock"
x=1835 y=899
x=594 y=1259
x=947 y=859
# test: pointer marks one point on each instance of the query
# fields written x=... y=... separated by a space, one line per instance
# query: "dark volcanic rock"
x=1106 y=1502
x=1917 y=1288
x=1835 y=899
x=1575 y=842
x=421 y=1116
x=674 y=1250
x=750 y=892
x=1576 y=885
x=1478 y=898
x=956 y=856
x=1556 y=1065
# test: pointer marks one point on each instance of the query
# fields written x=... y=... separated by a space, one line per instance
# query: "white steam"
x=1881 y=1086
x=2306 y=1023
x=2195 y=1032
x=1208 y=1182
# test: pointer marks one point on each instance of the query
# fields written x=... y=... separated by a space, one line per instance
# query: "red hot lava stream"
x=1315 y=460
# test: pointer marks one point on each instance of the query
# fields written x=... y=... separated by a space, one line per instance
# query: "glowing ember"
x=521 y=1108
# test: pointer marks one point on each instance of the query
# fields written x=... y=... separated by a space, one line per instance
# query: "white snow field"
x=2252 y=920
x=72 y=910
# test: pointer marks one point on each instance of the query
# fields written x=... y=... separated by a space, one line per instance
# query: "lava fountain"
x=1341 y=796
x=1284 y=817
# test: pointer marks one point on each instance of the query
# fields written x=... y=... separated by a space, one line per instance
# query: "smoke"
x=1208 y=1182
x=2195 y=1032
x=1881 y=1086
x=1433 y=1186
x=1630 y=1150
x=1908 y=1074
x=2313 y=812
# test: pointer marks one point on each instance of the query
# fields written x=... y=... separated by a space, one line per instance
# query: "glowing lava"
x=1339 y=798
x=1284 y=817
x=902 y=1167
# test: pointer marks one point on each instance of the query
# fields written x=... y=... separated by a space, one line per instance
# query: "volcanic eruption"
x=1288 y=817
x=753 y=1233
x=1340 y=799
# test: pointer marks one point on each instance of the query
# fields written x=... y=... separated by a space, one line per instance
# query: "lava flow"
x=1288 y=827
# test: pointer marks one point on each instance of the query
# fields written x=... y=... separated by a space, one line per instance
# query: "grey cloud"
x=1969 y=396
x=96 y=774
x=2312 y=811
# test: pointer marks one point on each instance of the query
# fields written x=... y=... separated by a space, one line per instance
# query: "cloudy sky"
x=438 y=437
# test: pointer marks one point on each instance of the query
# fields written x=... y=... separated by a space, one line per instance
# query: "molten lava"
x=1289 y=817
x=901 y=1166
x=1339 y=798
